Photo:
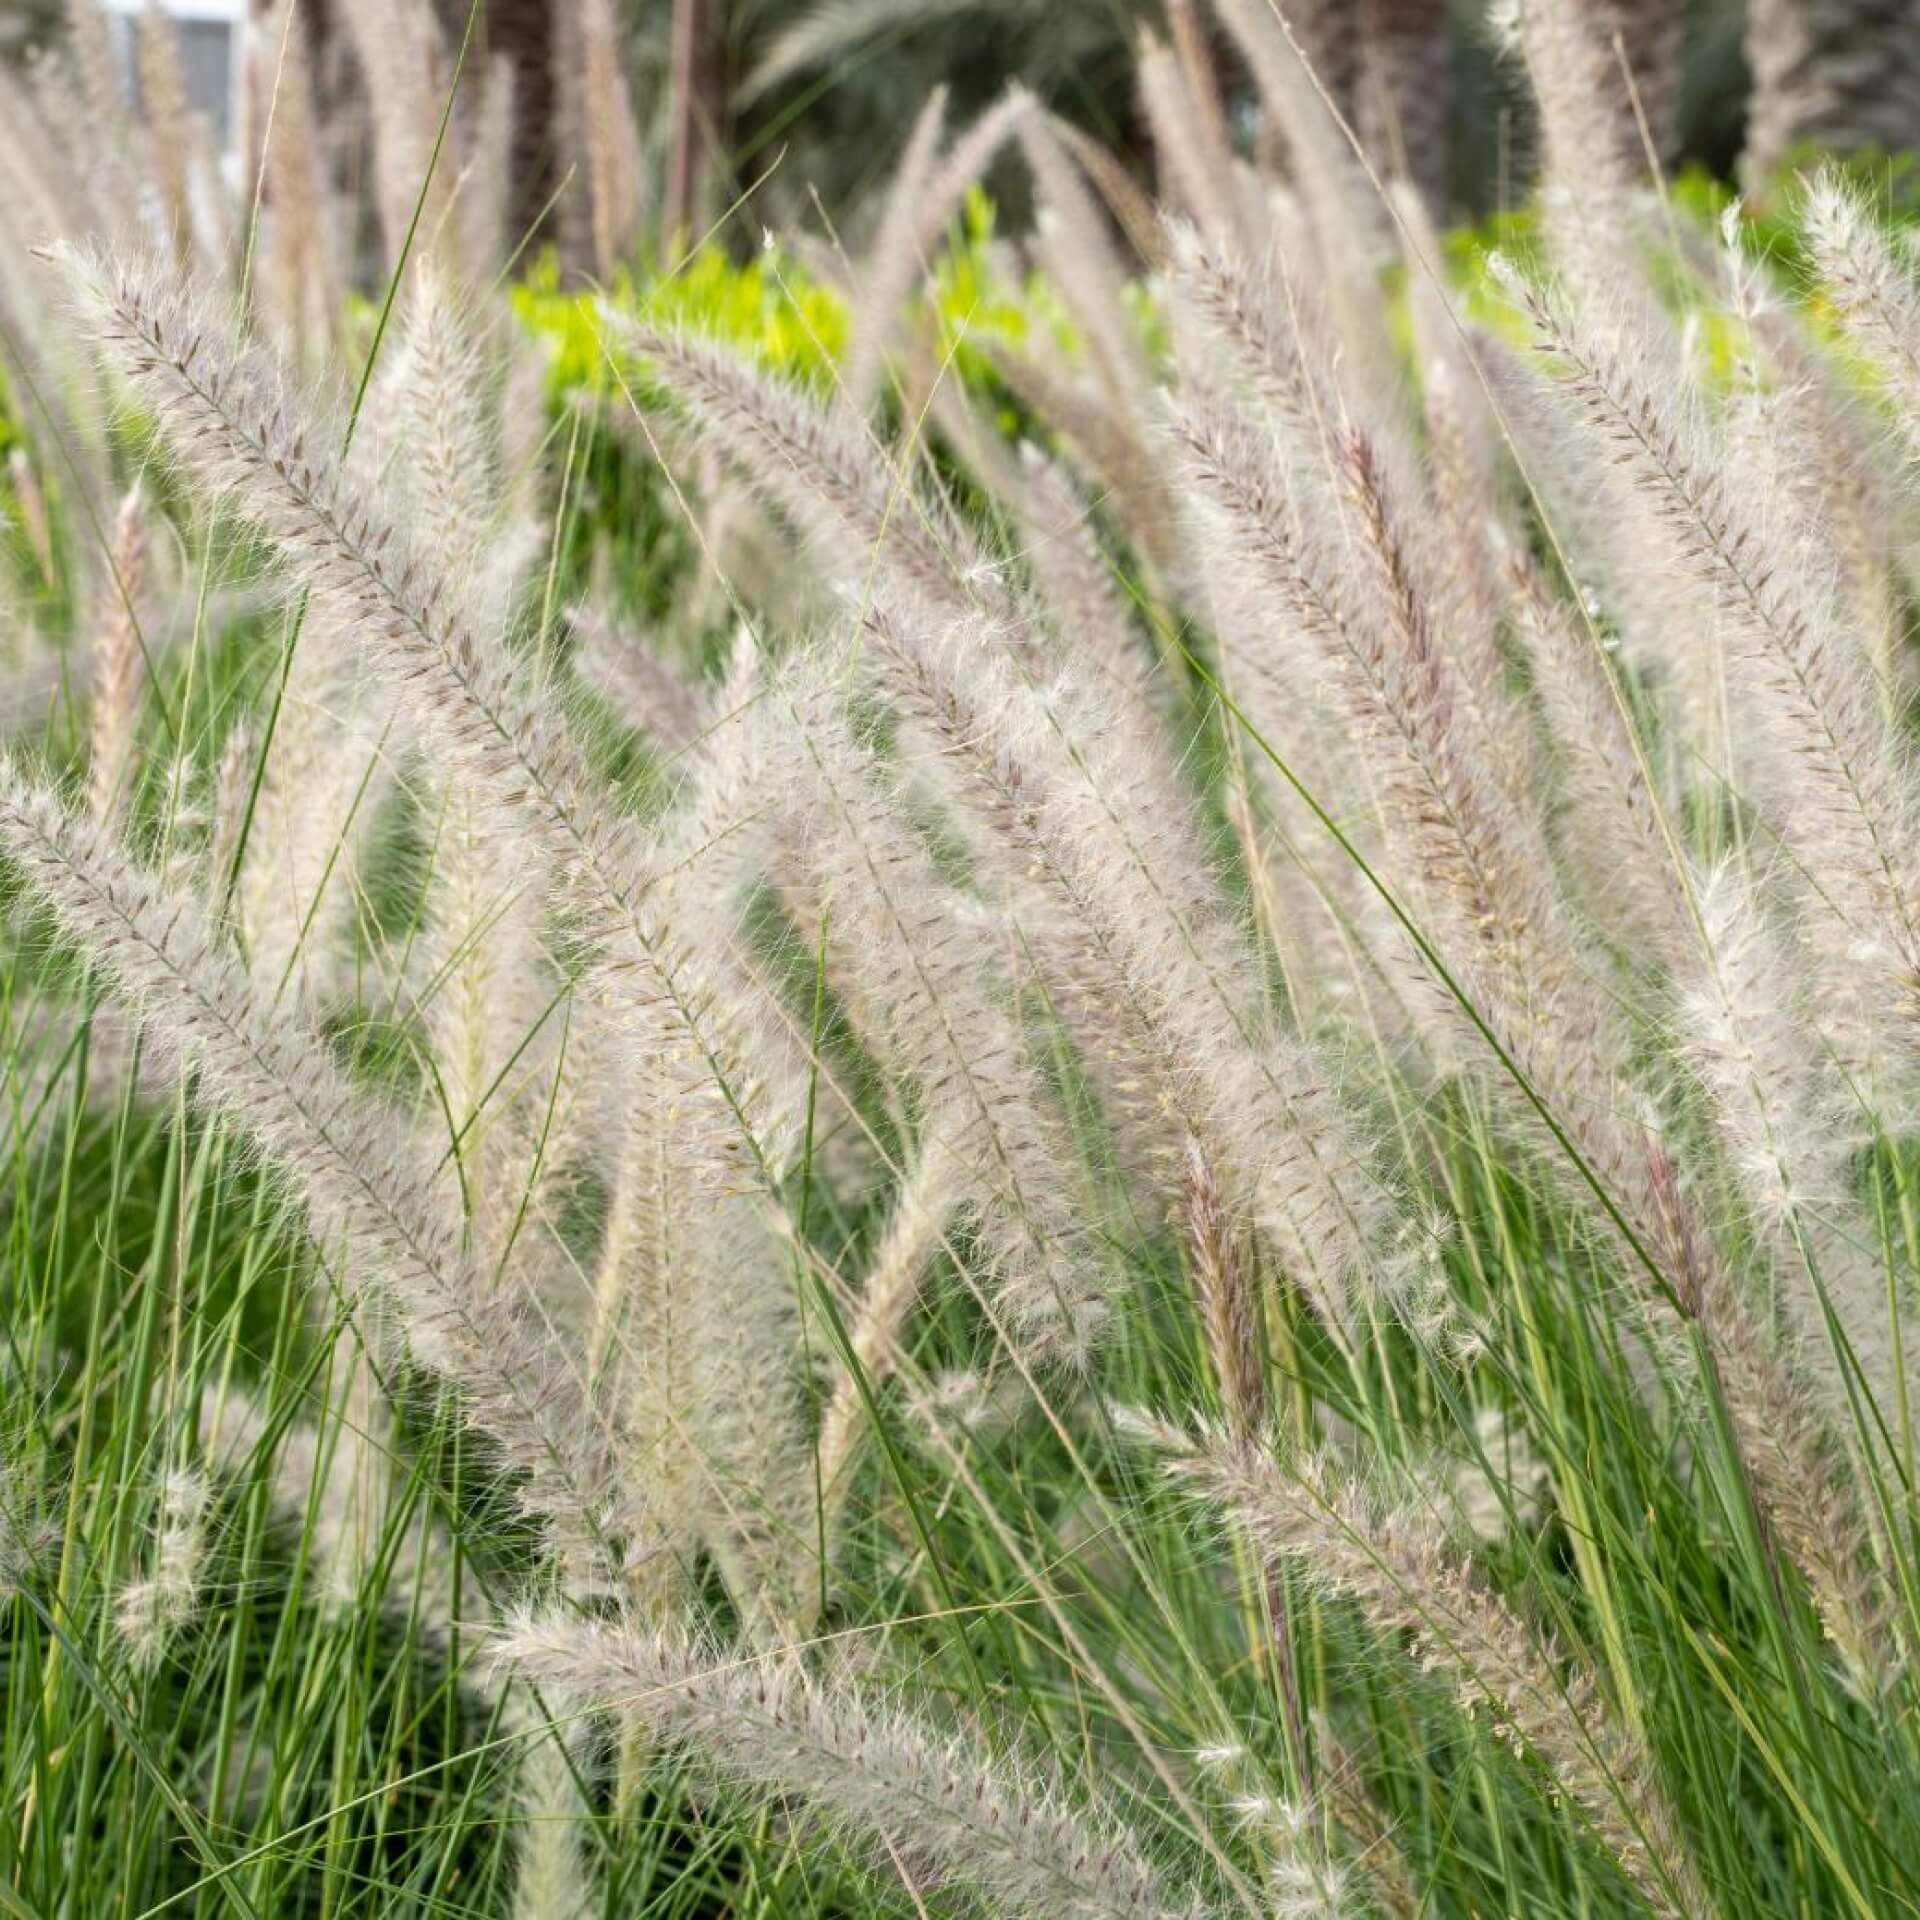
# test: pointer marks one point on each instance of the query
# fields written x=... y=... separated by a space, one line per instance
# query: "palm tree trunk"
x=690 y=109
x=524 y=31
x=1648 y=38
x=1404 y=93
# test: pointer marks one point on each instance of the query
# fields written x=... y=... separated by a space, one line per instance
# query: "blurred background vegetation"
x=803 y=104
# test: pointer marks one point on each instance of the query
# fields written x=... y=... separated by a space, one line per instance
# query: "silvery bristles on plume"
x=270 y=218
x=1368 y=858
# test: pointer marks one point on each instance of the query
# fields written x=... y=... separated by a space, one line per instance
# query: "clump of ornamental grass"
x=1350 y=889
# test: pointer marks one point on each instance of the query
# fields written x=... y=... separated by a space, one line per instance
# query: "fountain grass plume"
x=944 y=1809
x=1398 y=1567
x=369 y=1192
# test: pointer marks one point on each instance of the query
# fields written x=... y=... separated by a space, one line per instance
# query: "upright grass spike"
x=1874 y=292
x=1514 y=976
x=169 y=131
x=1076 y=581
x=492 y=996
x=1840 y=798
x=1225 y=1291
x=897 y=256
x=821 y=467
x=1192 y=152
x=1620 y=857
x=942 y=1021
x=615 y=175
x=299 y=273
x=330 y=764
x=119 y=667
x=1091 y=279
x=1592 y=162
x=150 y=1611
x=1141 y=951
x=918 y=1222
x=403 y=64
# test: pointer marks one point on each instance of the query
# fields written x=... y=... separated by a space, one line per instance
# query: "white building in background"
x=212 y=43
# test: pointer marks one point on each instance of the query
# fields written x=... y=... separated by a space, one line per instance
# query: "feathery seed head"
x=151 y=1611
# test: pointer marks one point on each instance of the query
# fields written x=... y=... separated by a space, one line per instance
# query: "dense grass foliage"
x=1069 y=1078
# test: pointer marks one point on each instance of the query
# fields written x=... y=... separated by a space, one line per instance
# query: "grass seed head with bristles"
x=1225 y=1290
x=1192 y=154
x=300 y=273
x=926 y=1203
x=1782 y=1111
x=1782 y=1124
x=1592 y=159
x=366 y=1188
x=1559 y=1050
x=151 y=1610
x=1074 y=578
x=746 y=1408
x=1453 y=841
x=921 y=995
x=164 y=105
x=614 y=173
x=329 y=766
x=403 y=64
x=1806 y=1489
x=491 y=998
x=225 y=411
x=553 y=1874
x=639 y=1353
x=896 y=258
x=946 y=1809
x=119 y=666
x=1832 y=759
x=1405 y=1579
x=646 y=692
x=1140 y=938
x=1073 y=239
x=821 y=467
x=1615 y=846
x=1873 y=291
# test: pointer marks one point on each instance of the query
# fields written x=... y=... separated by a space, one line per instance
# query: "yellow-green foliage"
x=767 y=305
x=1696 y=201
x=797 y=326
x=976 y=307
x=972 y=307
